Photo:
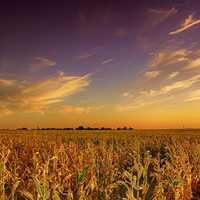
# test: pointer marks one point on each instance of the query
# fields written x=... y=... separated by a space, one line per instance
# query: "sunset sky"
x=100 y=63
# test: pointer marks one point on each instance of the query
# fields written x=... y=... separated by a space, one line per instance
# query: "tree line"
x=78 y=128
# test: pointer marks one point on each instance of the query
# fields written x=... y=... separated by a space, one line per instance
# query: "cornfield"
x=101 y=165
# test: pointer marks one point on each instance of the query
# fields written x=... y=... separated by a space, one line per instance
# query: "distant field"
x=98 y=165
x=99 y=133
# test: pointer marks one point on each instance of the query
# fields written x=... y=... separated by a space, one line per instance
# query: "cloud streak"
x=173 y=75
x=193 y=96
x=161 y=15
x=193 y=64
x=173 y=79
x=152 y=74
x=187 y=24
x=86 y=56
x=42 y=63
x=4 y=111
x=166 y=57
x=37 y=97
x=180 y=85
x=169 y=88
x=107 y=61
x=78 y=109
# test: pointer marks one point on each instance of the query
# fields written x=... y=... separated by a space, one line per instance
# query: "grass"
x=89 y=165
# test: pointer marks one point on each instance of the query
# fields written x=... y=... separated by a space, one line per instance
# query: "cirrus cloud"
x=188 y=23
x=193 y=96
x=42 y=63
x=193 y=64
x=4 y=111
x=165 y=58
x=39 y=96
x=173 y=75
x=161 y=15
x=77 y=109
x=152 y=74
x=178 y=79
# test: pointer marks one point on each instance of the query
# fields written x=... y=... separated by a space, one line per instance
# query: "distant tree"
x=130 y=128
x=124 y=128
x=118 y=128
x=23 y=129
x=68 y=129
x=80 y=128
x=102 y=128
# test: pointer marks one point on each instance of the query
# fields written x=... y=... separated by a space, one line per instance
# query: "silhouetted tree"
x=23 y=129
x=68 y=129
x=80 y=128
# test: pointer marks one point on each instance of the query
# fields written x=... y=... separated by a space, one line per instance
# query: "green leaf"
x=82 y=174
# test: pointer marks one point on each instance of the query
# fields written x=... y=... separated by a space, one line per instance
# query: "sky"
x=100 y=63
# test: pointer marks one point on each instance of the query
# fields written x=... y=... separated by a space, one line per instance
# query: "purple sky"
x=87 y=61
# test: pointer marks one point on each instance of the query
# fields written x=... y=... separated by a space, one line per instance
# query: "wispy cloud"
x=193 y=64
x=172 y=87
x=173 y=75
x=4 y=82
x=140 y=103
x=26 y=96
x=154 y=18
x=193 y=96
x=182 y=59
x=161 y=15
x=41 y=63
x=4 y=111
x=162 y=94
x=61 y=73
x=180 y=85
x=174 y=83
x=152 y=74
x=77 y=109
x=107 y=61
x=188 y=23
x=86 y=56
x=127 y=94
x=166 y=57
